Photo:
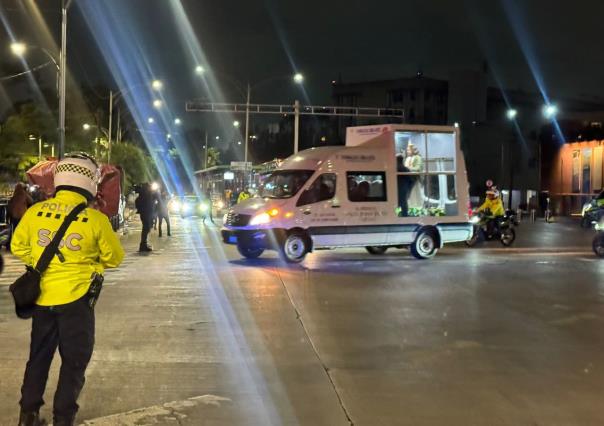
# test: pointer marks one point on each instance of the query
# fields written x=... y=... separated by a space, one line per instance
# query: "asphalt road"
x=191 y=334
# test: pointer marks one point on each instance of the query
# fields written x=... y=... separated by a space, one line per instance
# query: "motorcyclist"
x=492 y=208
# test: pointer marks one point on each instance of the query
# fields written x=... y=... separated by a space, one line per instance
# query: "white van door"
x=319 y=212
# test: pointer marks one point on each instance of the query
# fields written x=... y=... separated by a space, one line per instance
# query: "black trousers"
x=69 y=327
x=159 y=221
x=147 y=224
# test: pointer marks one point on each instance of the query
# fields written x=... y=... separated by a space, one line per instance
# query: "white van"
x=390 y=186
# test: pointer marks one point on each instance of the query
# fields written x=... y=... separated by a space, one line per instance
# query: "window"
x=441 y=197
x=322 y=189
x=285 y=183
x=366 y=186
x=426 y=164
x=441 y=152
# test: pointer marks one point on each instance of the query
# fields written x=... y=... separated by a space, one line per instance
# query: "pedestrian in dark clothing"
x=162 y=212
x=17 y=206
x=208 y=200
x=144 y=206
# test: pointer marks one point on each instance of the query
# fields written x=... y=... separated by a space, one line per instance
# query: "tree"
x=138 y=167
x=213 y=157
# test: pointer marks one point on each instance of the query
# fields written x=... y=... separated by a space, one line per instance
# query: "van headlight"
x=203 y=207
x=186 y=208
x=260 y=219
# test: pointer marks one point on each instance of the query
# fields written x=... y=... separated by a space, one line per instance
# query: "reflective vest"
x=89 y=245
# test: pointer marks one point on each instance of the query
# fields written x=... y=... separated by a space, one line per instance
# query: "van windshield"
x=284 y=183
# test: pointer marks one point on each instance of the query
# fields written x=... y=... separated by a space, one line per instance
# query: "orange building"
x=573 y=174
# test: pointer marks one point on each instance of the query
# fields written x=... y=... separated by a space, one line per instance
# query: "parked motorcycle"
x=597 y=243
x=486 y=229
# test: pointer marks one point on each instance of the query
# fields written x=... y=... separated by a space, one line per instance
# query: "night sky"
x=353 y=39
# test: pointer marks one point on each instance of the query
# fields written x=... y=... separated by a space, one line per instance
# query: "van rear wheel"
x=376 y=249
x=295 y=246
x=425 y=245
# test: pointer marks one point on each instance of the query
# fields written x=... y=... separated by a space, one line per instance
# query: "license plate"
x=233 y=239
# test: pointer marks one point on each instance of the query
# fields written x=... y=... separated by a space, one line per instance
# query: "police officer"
x=63 y=316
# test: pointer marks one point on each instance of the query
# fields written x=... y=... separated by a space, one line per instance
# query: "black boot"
x=63 y=421
x=144 y=248
x=31 y=419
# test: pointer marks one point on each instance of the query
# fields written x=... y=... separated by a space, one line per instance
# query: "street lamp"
x=157 y=104
x=177 y=121
x=298 y=78
x=18 y=48
x=150 y=120
x=550 y=111
x=511 y=113
x=157 y=85
x=86 y=126
x=236 y=124
x=199 y=70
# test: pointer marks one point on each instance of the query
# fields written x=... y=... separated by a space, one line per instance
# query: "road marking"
x=157 y=414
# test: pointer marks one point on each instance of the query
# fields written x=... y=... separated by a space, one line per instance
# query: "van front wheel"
x=295 y=246
x=424 y=246
x=249 y=252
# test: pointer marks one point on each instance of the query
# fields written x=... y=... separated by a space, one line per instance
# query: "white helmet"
x=78 y=171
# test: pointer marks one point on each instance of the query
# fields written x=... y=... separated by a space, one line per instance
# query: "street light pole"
x=206 y=153
x=110 y=124
x=296 y=125
x=39 y=148
x=247 y=123
x=62 y=75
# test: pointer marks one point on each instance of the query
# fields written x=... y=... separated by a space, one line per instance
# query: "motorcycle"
x=591 y=213
x=597 y=244
x=485 y=228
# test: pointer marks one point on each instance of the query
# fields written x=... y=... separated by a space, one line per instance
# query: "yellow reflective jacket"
x=89 y=245
x=495 y=206
x=243 y=196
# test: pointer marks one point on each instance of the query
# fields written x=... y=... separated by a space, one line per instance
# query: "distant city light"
x=236 y=123
x=550 y=111
x=86 y=126
x=157 y=103
x=150 y=120
x=18 y=48
x=199 y=70
x=217 y=137
x=157 y=85
x=177 y=121
x=239 y=143
x=298 y=78
x=512 y=113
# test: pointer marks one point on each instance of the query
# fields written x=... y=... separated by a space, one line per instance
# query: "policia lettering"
x=71 y=241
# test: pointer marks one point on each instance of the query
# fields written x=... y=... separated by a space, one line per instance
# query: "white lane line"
x=155 y=414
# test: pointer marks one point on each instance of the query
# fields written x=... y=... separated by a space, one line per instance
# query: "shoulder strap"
x=51 y=249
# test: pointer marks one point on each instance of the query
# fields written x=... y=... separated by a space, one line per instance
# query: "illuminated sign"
x=229 y=175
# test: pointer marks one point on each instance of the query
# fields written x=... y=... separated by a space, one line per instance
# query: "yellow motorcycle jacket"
x=495 y=206
x=89 y=245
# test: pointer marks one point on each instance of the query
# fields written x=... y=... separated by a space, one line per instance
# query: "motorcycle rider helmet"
x=78 y=172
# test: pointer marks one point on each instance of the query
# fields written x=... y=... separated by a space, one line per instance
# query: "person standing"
x=63 y=316
x=17 y=206
x=162 y=211
x=145 y=206
x=208 y=201
x=243 y=195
